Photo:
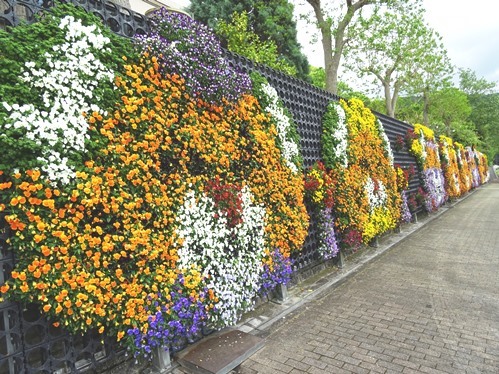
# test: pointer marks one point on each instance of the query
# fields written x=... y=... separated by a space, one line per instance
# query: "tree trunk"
x=388 y=98
x=332 y=56
x=331 y=62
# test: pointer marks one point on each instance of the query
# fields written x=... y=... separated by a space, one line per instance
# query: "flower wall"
x=465 y=176
x=155 y=194
x=422 y=144
x=164 y=209
x=450 y=167
x=357 y=184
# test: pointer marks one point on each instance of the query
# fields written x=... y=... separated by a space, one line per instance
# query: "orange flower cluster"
x=428 y=156
x=450 y=167
x=99 y=253
x=465 y=177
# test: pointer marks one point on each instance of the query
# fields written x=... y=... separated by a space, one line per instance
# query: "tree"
x=398 y=50
x=243 y=41
x=270 y=20
x=450 y=110
x=333 y=19
x=472 y=85
x=433 y=73
x=484 y=108
x=318 y=77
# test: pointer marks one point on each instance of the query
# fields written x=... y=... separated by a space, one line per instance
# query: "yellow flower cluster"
x=427 y=155
x=426 y=131
x=465 y=177
x=367 y=158
x=450 y=167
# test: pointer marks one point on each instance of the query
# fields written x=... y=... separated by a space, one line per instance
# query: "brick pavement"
x=429 y=304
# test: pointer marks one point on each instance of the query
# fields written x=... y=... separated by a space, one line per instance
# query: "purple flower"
x=280 y=273
x=184 y=317
x=433 y=181
x=328 y=246
x=186 y=47
x=405 y=215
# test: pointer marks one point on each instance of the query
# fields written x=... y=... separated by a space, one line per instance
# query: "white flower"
x=231 y=258
x=341 y=135
x=289 y=148
x=386 y=141
x=376 y=193
x=67 y=81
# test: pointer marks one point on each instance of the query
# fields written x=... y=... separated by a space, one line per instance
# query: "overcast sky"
x=470 y=32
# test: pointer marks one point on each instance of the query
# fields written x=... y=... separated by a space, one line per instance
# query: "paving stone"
x=427 y=305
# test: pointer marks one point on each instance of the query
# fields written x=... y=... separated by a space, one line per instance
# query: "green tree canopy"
x=240 y=39
x=484 y=104
x=449 y=112
x=334 y=19
x=270 y=20
x=396 y=48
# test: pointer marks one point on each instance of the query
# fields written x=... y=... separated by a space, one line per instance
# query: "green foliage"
x=318 y=77
x=346 y=92
x=410 y=109
x=449 y=113
x=473 y=85
x=240 y=39
x=484 y=109
x=271 y=20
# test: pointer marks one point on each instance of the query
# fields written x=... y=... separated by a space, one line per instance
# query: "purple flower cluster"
x=191 y=50
x=279 y=274
x=433 y=179
x=328 y=246
x=184 y=318
x=476 y=177
x=405 y=215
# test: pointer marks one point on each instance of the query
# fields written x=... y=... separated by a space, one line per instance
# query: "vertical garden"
x=152 y=189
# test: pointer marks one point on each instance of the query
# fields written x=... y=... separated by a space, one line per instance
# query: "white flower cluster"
x=289 y=147
x=386 y=141
x=422 y=140
x=341 y=135
x=444 y=150
x=68 y=78
x=230 y=258
x=376 y=196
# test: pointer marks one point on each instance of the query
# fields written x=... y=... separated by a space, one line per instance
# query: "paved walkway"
x=429 y=304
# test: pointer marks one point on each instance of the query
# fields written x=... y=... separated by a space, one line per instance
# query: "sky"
x=470 y=32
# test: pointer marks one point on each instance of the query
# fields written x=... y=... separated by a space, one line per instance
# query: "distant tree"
x=398 y=50
x=484 y=104
x=450 y=110
x=470 y=84
x=318 y=77
x=333 y=19
x=410 y=109
x=270 y=20
x=240 y=39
